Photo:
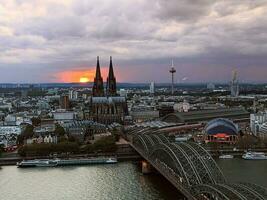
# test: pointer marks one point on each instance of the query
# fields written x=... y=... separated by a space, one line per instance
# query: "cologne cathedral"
x=106 y=106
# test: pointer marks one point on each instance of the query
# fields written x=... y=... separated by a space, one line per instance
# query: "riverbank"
x=124 y=152
x=236 y=152
x=120 y=156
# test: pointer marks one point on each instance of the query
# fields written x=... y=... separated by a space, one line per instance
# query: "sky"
x=59 y=40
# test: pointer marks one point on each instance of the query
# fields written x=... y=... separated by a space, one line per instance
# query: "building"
x=235 y=114
x=210 y=86
x=42 y=139
x=166 y=108
x=84 y=130
x=50 y=139
x=182 y=107
x=44 y=129
x=152 y=88
x=5 y=106
x=62 y=116
x=108 y=107
x=73 y=95
x=64 y=102
x=123 y=93
x=10 y=120
x=8 y=135
x=43 y=105
x=143 y=113
x=234 y=85
x=221 y=130
x=7 y=130
x=258 y=124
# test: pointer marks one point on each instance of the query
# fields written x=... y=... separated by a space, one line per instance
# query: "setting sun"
x=84 y=79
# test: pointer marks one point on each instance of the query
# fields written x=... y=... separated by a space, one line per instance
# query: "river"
x=107 y=182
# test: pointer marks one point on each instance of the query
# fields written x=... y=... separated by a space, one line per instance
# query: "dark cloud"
x=54 y=28
x=183 y=10
x=200 y=35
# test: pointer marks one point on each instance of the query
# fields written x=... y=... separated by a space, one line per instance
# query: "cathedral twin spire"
x=111 y=81
x=98 y=87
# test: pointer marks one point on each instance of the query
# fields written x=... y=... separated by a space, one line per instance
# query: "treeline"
x=105 y=144
x=47 y=149
x=250 y=141
x=1 y=149
x=36 y=93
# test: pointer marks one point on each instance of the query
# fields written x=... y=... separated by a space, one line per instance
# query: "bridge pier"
x=146 y=167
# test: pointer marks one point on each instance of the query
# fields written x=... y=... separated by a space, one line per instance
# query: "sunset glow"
x=80 y=76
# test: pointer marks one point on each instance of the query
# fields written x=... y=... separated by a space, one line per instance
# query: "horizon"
x=135 y=83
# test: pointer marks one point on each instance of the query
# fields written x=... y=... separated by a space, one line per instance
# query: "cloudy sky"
x=58 y=40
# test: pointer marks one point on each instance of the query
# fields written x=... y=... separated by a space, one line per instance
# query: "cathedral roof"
x=118 y=99
x=108 y=100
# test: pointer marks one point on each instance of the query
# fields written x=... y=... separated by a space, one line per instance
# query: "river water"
x=107 y=182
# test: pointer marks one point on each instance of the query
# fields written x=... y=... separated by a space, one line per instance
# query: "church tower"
x=98 y=88
x=111 y=81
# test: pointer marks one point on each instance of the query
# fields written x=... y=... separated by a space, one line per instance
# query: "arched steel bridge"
x=191 y=169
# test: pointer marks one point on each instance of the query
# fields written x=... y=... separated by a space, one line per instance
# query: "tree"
x=59 y=131
x=36 y=121
x=247 y=141
x=1 y=149
x=105 y=144
x=36 y=93
x=26 y=133
x=46 y=149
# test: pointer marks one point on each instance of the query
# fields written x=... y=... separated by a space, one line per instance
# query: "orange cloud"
x=72 y=76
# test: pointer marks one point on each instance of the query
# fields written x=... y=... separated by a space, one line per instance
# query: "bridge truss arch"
x=192 y=169
x=166 y=156
x=226 y=191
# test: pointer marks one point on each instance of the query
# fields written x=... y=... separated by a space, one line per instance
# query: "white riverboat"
x=254 y=156
x=65 y=162
x=226 y=156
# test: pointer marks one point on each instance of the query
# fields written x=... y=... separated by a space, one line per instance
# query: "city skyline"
x=58 y=41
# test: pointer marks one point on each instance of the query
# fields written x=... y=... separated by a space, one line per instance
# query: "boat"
x=100 y=160
x=254 y=156
x=183 y=138
x=226 y=156
x=47 y=163
x=27 y=163
x=65 y=162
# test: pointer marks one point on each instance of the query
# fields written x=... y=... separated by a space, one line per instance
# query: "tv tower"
x=172 y=71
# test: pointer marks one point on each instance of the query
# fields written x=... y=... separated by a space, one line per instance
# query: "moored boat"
x=254 y=156
x=65 y=162
x=226 y=156
x=47 y=163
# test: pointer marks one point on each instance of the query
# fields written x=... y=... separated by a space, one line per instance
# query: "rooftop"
x=206 y=115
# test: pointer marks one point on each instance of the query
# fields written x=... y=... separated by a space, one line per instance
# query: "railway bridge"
x=191 y=169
